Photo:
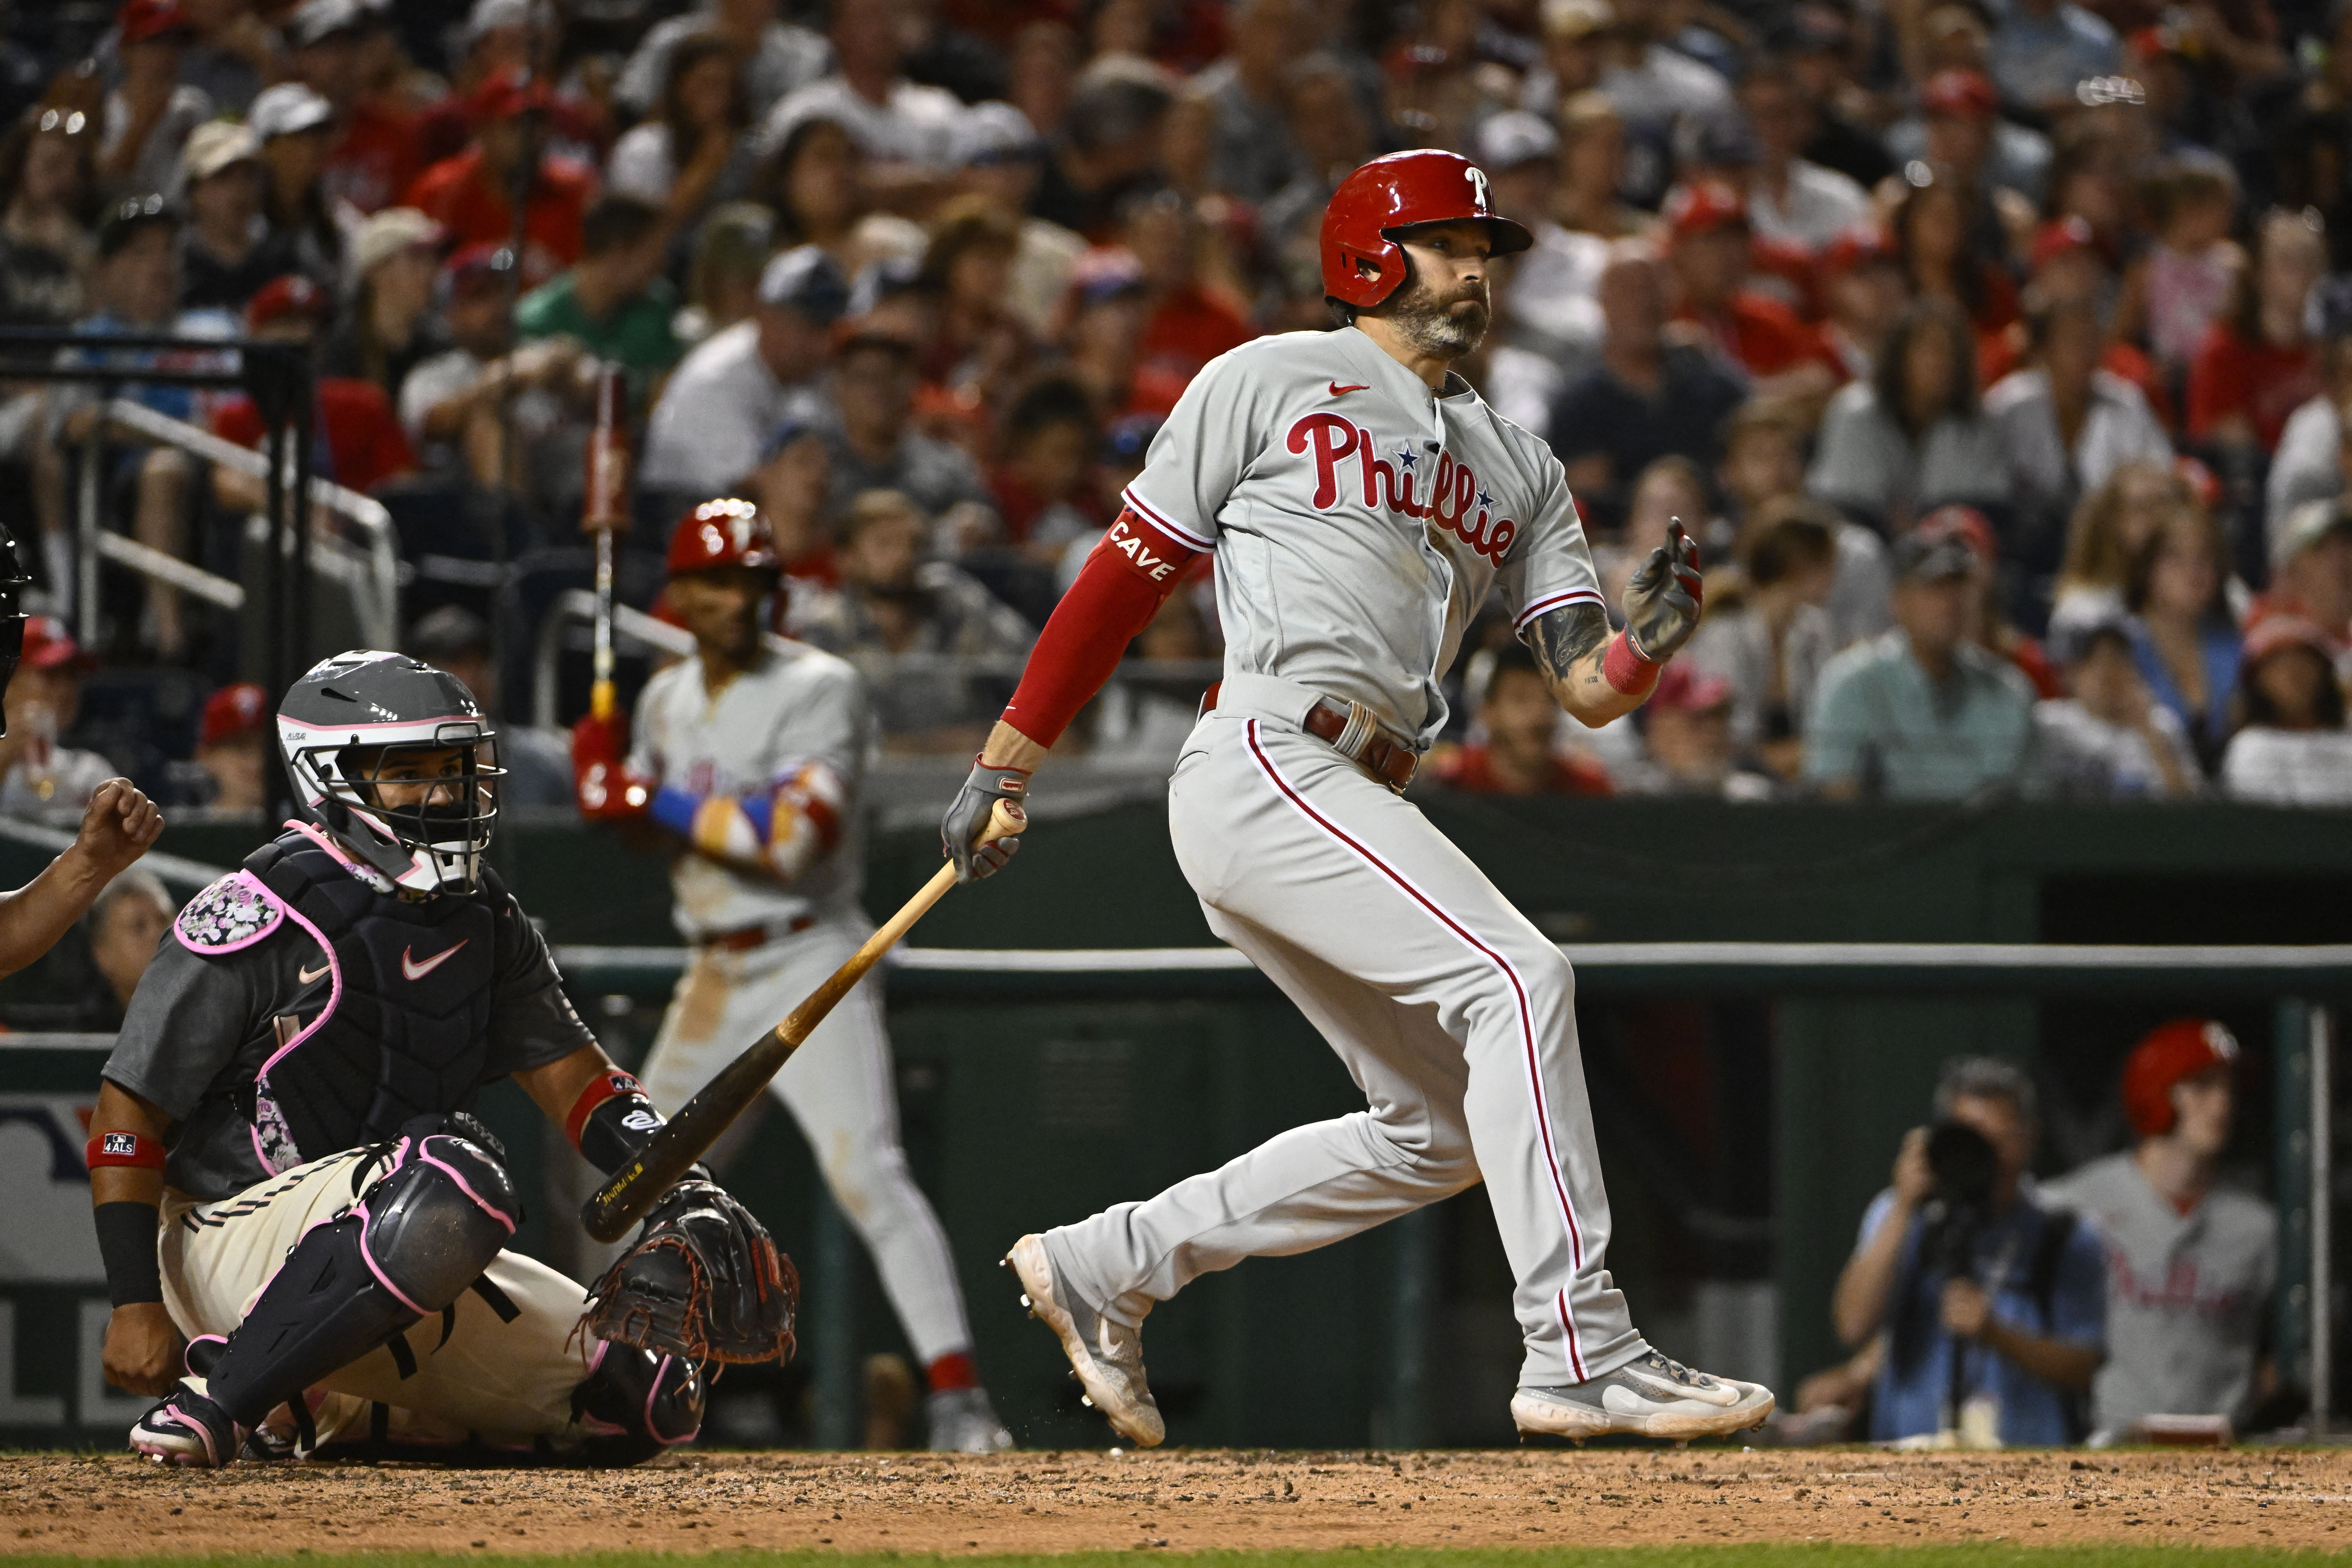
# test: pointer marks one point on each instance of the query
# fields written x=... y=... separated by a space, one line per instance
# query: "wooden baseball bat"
x=603 y=511
x=633 y=1189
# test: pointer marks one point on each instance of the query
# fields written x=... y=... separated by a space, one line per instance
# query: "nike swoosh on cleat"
x=307 y=975
x=416 y=971
x=1337 y=390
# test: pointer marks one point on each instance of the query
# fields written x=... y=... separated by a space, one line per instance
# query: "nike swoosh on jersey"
x=307 y=975
x=416 y=971
x=1337 y=390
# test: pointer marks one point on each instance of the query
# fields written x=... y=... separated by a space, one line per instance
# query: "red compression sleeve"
x=1122 y=585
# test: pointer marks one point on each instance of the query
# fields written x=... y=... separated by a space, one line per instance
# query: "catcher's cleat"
x=1652 y=1397
x=1106 y=1358
x=962 y=1421
x=186 y=1429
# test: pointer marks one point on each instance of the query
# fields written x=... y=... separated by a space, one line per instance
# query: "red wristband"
x=611 y=1085
x=1626 y=670
x=123 y=1149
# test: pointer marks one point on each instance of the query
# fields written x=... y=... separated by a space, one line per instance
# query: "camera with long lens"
x=1959 y=1205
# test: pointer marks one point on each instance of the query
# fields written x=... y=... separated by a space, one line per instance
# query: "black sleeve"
x=531 y=1021
x=1581 y=419
x=187 y=1022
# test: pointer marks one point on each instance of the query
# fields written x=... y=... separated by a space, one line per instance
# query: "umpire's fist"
x=962 y=831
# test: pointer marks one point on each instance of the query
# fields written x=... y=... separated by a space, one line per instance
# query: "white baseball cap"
x=287 y=109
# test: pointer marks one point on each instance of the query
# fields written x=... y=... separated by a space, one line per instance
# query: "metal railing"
x=369 y=568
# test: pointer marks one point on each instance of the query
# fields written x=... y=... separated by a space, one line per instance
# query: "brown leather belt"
x=1390 y=762
x=744 y=939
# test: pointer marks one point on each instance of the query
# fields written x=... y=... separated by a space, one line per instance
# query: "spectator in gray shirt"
x=1921 y=714
x=876 y=446
x=2190 y=1263
x=1912 y=437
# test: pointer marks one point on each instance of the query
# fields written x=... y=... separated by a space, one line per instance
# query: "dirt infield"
x=1179 y=1499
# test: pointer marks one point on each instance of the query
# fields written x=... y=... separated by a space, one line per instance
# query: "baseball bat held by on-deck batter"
x=633 y=1189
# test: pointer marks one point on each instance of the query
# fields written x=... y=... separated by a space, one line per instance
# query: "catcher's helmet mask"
x=350 y=715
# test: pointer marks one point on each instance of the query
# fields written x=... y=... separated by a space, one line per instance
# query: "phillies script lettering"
x=1455 y=494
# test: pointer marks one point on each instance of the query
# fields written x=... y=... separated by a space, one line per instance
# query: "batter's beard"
x=1443 y=328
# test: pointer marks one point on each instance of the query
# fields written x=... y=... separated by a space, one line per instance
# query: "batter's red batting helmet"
x=1361 y=264
x=727 y=532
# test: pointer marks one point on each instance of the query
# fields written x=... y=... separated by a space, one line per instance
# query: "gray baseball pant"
x=1452 y=1012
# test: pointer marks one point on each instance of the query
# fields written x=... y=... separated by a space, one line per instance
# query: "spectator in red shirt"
x=363 y=446
x=467 y=194
x=1043 y=490
x=374 y=153
x=1189 y=324
x=2258 y=365
x=1519 y=719
x=2069 y=268
x=1713 y=255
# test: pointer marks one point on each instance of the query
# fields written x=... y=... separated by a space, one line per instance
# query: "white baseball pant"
x=1453 y=1013
x=507 y=1383
x=839 y=1087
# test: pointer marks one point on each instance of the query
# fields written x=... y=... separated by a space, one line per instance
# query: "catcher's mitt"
x=704 y=1281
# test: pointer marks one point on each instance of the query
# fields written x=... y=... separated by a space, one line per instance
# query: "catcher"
x=288 y=1109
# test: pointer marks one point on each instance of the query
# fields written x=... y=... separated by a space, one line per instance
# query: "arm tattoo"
x=1561 y=639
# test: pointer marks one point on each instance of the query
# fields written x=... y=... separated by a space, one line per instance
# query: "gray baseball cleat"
x=1106 y=1358
x=962 y=1421
x=1652 y=1397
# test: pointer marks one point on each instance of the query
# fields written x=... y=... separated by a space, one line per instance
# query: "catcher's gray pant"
x=1454 y=1013
x=507 y=1383
x=839 y=1087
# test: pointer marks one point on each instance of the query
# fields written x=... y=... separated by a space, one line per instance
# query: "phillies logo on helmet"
x=1478 y=186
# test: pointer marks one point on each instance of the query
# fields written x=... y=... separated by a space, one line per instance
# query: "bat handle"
x=1004 y=821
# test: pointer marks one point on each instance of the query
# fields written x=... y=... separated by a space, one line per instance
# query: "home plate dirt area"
x=107 y=1505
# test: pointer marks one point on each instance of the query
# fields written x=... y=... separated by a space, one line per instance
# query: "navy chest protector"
x=402 y=1030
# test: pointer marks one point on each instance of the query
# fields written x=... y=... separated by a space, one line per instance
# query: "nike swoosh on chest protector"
x=307 y=975
x=410 y=967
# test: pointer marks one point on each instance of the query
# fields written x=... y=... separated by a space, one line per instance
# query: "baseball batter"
x=286 y=1178
x=1364 y=503
x=749 y=756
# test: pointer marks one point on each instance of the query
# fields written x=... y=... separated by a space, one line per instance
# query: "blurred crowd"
x=1998 y=350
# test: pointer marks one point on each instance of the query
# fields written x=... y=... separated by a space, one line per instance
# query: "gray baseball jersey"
x=2186 y=1294
x=1359 y=518
x=797 y=705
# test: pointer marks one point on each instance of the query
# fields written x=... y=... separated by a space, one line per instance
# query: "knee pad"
x=437 y=1218
x=636 y=1403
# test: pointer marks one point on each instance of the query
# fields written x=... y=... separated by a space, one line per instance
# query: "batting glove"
x=1662 y=597
x=966 y=819
x=601 y=783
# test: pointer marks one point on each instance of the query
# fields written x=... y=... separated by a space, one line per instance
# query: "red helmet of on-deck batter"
x=728 y=533
x=1361 y=264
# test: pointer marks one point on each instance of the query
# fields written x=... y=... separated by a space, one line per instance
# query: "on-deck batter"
x=751 y=756
x=1363 y=504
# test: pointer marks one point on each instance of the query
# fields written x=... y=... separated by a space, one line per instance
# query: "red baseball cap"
x=141 y=20
x=2272 y=634
x=291 y=295
x=2063 y=237
x=2167 y=1055
x=1703 y=208
x=507 y=93
x=238 y=709
x=1968 y=525
x=1684 y=690
x=476 y=262
x=1963 y=92
x=1860 y=246
x=50 y=645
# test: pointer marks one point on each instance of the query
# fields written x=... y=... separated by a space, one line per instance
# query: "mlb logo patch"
x=121 y=1143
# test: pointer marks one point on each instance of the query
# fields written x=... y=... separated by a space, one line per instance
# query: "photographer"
x=1993 y=1307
